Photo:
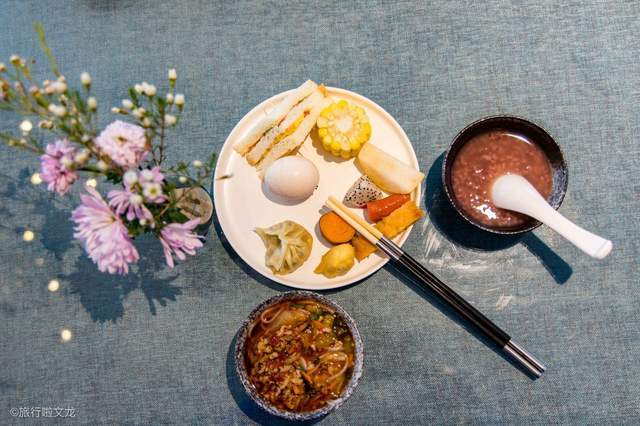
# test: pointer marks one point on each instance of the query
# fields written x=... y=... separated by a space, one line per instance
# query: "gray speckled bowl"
x=250 y=388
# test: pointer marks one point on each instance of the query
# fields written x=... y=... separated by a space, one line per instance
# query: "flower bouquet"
x=148 y=197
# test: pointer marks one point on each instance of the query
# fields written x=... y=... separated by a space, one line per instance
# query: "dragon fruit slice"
x=361 y=192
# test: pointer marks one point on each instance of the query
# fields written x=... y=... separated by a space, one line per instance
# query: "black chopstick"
x=429 y=281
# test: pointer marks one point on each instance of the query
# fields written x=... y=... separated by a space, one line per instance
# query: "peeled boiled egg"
x=293 y=177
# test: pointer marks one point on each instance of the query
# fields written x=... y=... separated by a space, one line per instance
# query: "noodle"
x=301 y=356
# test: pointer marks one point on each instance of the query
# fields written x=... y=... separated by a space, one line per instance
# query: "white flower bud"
x=150 y=90
x=139 y=112
x=85 y=79
x=85 y=138
x=91 y=182
x=15 y=59
x=127 y=103
x=102 y=166
x=57 y=110
x=197 y=163
x=169 y=119
x=138 y=89
x=146 y=122
x=26 y=126
x=179 y=99
x=3 y=67
x=182 y=179
x=115 y=110
x=130 y=177
x=22 y=141
x=59 y=86
x=92 y=103
x=142 y=222
x=169 y=98
x=173 y=75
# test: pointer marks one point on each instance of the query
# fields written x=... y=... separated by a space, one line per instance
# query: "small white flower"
x=85 y=138
x=15 y=59
x=182 y=179
x=92 y=103
x=169 y=98
x=91 y=182
x=85 y=79
x=138 y=88
x=146 y=122
x=169 y=119
x=127 y=103
x=59 y=86
x=3 y=67
x=149 y=89
x=102 y=166
x=152 y=190
x=146 y=175
x=57 y=110
x=173 y=75
x=138 y=112
x=197 y=163
x=26 y=126
x=130 y=177
x=179 y=99
x=136 y=199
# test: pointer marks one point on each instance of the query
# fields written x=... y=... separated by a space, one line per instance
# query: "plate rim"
x=227 y=150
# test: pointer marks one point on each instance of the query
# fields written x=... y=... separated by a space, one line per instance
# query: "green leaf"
x=133 y=95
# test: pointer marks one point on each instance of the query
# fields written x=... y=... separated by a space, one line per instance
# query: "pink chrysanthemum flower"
x=126 y=201
x=124 y=143
x=103 y=234
x=177 y=238
x=55 y=166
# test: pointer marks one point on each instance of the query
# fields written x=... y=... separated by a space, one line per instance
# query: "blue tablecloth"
x=154 y=347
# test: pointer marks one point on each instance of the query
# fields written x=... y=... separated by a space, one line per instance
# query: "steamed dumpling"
x=288 y=246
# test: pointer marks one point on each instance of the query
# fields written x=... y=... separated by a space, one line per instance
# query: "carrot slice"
x=335 y=229
x=378 y=209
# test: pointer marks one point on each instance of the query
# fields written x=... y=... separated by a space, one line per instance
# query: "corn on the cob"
x=343 y=129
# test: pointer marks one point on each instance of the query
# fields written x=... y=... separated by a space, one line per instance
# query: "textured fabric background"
x=155 y=347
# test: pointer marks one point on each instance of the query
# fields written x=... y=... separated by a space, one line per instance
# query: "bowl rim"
x=527 y=226
x=250 y=388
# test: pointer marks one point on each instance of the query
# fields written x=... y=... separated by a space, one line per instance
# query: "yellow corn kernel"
x=343 y=128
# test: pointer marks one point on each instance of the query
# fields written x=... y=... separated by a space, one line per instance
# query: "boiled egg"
x=293 y=177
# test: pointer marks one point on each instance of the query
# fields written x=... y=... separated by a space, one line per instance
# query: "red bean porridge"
x=488 y=156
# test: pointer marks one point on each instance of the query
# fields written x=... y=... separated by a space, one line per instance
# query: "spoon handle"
x=529 y=201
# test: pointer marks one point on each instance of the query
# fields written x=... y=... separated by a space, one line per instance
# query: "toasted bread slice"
x=274 y=117
x=285 y=128
x=293 y=141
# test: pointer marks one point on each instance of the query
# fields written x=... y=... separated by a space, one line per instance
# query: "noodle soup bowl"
x=241 y=362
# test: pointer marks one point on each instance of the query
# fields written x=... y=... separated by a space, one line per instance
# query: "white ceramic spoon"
x=513 y=192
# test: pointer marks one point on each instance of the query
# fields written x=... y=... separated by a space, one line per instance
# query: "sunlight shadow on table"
x=456 y=229
x=102 y=294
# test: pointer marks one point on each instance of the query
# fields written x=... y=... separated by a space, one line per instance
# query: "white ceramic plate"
x=241 y=205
